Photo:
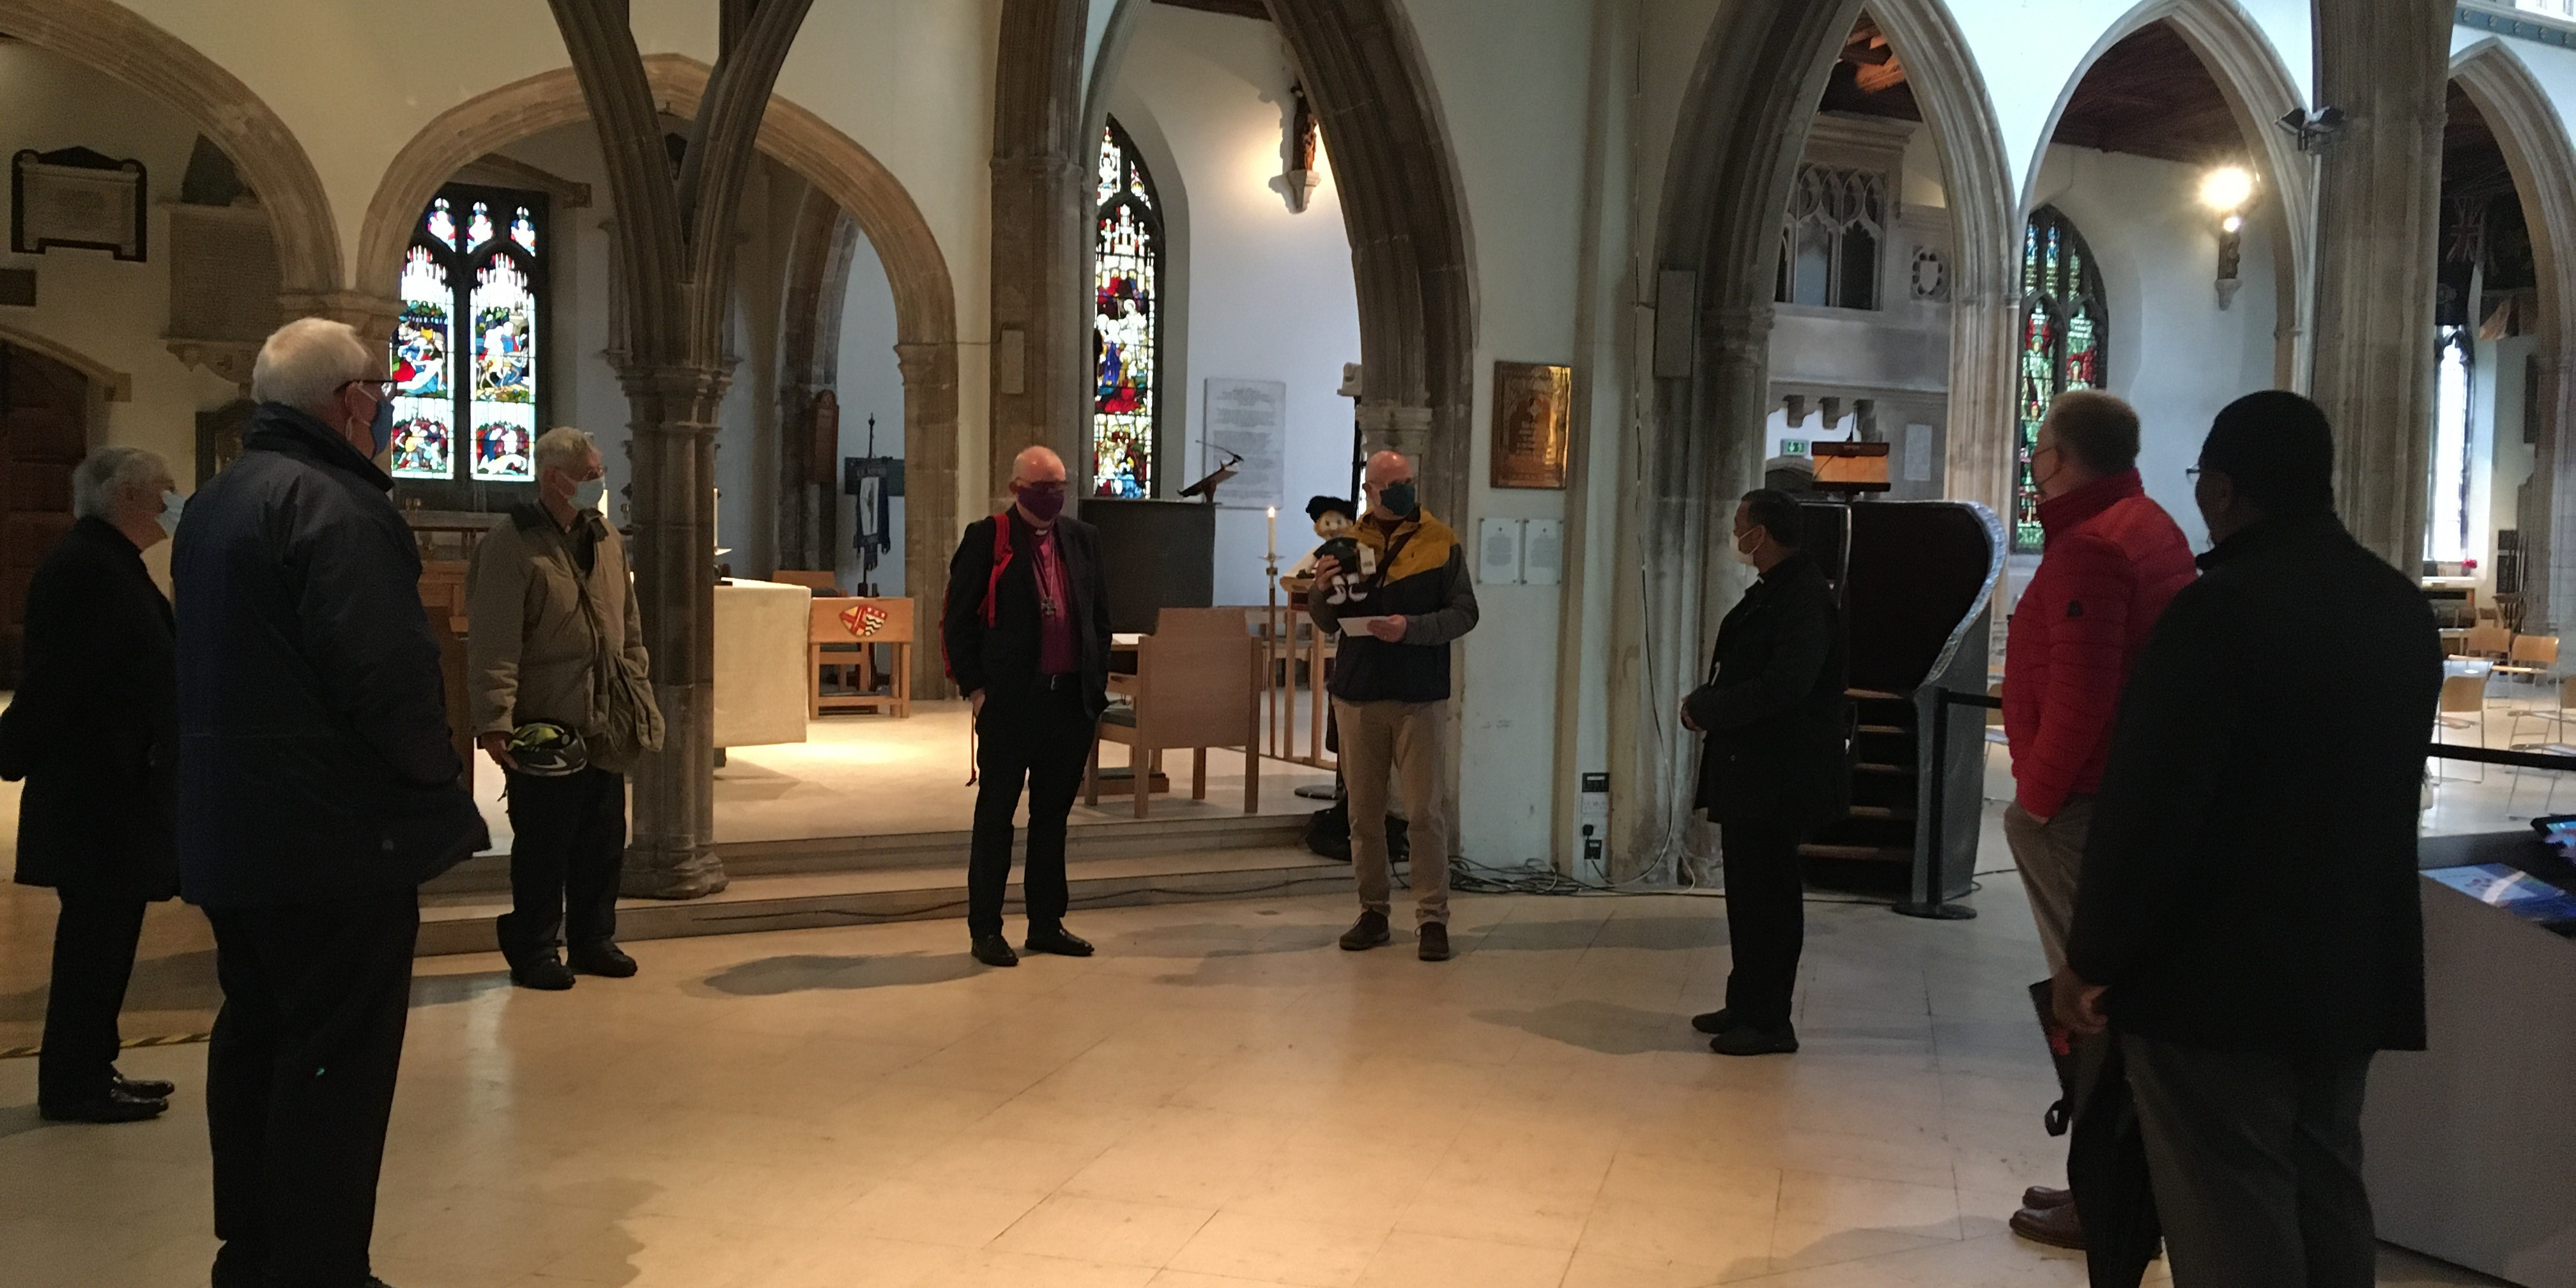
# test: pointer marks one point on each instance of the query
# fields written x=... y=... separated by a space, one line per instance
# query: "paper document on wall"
x=1918 y=453
x=1249 y=419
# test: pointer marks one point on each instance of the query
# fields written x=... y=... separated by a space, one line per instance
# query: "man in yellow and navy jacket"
x=1391 y=692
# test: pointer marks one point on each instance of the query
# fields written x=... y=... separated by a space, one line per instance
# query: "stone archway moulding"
x=2259 y=89
x=119 y=44
x=836 y=165
x=2538 y=152
x=1986 y=232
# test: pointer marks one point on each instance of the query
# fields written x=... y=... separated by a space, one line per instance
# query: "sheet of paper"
x=1358 y=625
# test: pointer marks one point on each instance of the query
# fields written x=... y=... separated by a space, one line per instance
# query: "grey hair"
x=563 y=445
x=303 y=363
x=108 y=471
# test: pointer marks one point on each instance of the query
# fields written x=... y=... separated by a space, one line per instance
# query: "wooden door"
x=44 y=432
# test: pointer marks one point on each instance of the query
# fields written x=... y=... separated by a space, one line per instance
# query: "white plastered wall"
x=1257 y=291
x=110 y=312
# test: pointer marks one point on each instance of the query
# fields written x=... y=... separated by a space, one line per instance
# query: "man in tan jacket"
x=556 y=649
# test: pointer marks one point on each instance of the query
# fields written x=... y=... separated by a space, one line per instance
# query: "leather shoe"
x=2057 y=1227
x=1368 y=932
x=114 y=1107
x=2040 y=1196
x=1058 y=940
x=143 y=1088
x=603 y=958
x=541 y=972
x=1714 y=1022
x=993 y=950
x=1744 y=1039
x=1435 y=942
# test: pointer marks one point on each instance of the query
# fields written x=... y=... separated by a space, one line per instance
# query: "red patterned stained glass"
x=2063 y=344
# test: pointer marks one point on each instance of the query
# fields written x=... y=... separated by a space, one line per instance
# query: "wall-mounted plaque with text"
x=1533 y=424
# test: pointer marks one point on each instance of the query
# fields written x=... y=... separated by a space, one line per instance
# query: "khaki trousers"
x=2051 y=858
x=1403 y=738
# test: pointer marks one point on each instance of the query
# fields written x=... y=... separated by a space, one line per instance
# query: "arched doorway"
x=44 y=432
x=836 y=166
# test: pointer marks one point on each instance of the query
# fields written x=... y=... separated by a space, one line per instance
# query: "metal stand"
x=1933 y=712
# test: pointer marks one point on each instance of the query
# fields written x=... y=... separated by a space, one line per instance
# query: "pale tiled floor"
x=1220 y=1100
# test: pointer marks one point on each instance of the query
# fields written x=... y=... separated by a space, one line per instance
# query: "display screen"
x=2512 y=889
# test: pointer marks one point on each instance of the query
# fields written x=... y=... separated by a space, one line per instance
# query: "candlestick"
x=1274 y=532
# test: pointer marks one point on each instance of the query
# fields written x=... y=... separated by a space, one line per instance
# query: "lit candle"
x=1274 y=532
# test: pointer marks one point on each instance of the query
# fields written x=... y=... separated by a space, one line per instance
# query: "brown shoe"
x=1368 y=932
x=2056 y=1227
x=2040 y=1196
x=1435 y=942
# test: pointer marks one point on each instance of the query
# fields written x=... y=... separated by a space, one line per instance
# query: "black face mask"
x=1399 y=498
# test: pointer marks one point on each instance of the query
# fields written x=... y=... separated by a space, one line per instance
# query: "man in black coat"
x=2248 y=920
x=94 y=732
x=317 y=789
x=1027 y=640
x=1773 y=769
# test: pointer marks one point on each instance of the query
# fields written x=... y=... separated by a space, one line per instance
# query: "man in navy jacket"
x=318 y=788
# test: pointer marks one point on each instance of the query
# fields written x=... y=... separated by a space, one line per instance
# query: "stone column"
x=1042 y=183
x=2386 y=63
x=2548 y=577
x=929 y=512
x=672 y=853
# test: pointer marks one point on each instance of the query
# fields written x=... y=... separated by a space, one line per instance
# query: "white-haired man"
x=94 y=731
x=1027 y=640
x=317 y=789
x=556 y=668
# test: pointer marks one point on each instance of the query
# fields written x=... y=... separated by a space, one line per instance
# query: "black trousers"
x=1039 y=741
x=300 y=1084
x=94 y=939
x=2256 y=1164
x=567 y=847
x=1766 y=919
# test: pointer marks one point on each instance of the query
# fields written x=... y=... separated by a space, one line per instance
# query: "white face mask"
x=1744 y=556
x=587 y=496
x=171 y=504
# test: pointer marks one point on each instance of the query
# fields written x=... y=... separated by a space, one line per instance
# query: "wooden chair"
x=2464 y=703
x=845 y=633
x=2485 y=639
x=2530 y=657
x=1198 y=684
x=820 y=583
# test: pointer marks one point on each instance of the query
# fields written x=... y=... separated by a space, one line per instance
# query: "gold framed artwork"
x=1533 y=424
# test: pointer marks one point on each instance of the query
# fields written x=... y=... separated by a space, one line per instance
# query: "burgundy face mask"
x=1042 y=503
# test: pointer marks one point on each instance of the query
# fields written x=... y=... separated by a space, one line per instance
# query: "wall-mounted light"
x=2226 y=191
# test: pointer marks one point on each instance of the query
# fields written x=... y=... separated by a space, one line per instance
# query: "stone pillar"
x=2386 y=63
x=1982 y=438
x=2548 y=577
x=1042 y=185
x=929 y=512
x=672 y=852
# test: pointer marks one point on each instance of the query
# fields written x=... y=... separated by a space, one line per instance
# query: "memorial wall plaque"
x=1533 y=419
x=1247 y=419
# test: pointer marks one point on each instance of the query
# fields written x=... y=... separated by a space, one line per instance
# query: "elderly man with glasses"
x=1027 y=640
x=317 y=789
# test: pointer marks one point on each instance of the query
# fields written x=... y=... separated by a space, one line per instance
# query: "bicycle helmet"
x=544 y=749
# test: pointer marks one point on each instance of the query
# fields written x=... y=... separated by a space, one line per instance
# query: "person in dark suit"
x=94 y=732
x=1773 y=768
x=1027 y=641
x=318 y=787
x=2248 y=919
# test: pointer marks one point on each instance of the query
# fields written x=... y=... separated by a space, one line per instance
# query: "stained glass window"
x=2063 y=344
x=1126 y=324
x=1829 y=245
x=467 y=383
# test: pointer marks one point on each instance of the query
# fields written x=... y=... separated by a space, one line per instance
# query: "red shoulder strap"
x=992 y=584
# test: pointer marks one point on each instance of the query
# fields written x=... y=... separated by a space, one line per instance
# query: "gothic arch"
x=118 y=43
x=1743 y=122
x=2536 y=148
x=1985 y=222
x=2259 y=90
x=925 y=302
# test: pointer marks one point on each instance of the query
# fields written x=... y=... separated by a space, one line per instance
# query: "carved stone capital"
x=230 y=359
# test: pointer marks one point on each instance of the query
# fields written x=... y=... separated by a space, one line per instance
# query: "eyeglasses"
x=2192 y=473
x=1053 y=485
x=381 y=387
